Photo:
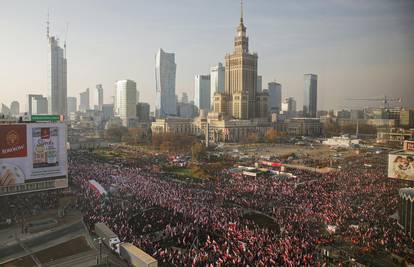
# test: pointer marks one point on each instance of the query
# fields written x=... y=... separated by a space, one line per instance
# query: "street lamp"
x=99 y=239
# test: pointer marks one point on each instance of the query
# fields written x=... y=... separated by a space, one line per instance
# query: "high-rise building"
x=310 y=96
x=72 y=104
x=275 y=96
x=259 y=83
x=184 y=98
x=57 y=76
x=126 y=97
x=240 y=99
x=289 y=106
x=84 y=100
x=37 y=104
x=143 y=112
x=15 y=108
x=107 y=111
x=216 y=80
x=5 y=110
x=99 y=91
x=165 y=70
x=202 y=92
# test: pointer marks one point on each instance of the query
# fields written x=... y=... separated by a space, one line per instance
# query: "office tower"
x=165 y=70
x=137 y=96
x=289 y=106
x=216 y=80
x=72 y=104
x=259 y=83
x=184 y=98
x=107 y=111
x=143 y=112
x=240 y=98
x=99 y=91
x=57 y=76
x=343 y=114
x=310 y=96
x=84 y=100
x=202 y=92
x=15 y=108
x=5 y=110
x=37 y=104
x=275 y=96
x=126 y=98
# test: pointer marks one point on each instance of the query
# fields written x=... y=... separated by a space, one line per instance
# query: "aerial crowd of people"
x=184 y=222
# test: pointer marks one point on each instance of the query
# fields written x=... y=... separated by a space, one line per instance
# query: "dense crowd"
x=185 y=223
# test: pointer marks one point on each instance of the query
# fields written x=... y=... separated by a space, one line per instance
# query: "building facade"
x=84 y=98
x=407 y=118
x=126 y=97
x=310 y=96
x=275 y=96
x=72 y=104
x=165 y=71
x=289 y=107
x=99 y=92
x=216 y=81
x=406 y=210
x=15 y=108
x=57 y=77
x=202 y=92
x=37 y=104
x=143 y=112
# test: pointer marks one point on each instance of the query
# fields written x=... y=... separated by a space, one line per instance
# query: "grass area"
x=69 y=248
x=21 y=262
x=184 y=172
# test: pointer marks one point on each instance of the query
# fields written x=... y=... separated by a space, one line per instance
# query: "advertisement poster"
x=401 y=166
x=32 y=151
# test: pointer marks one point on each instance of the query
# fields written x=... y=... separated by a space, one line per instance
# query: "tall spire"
x=241 y=11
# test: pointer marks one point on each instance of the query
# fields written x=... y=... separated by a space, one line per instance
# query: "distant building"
x=216 y=81
x=406 y=210
x=143 y=112
x=57 y=76
x=126 y=96
x=187 y=110
x=289 y=106
x=107 y=111
x=259 y=84
x=37 y=104
x=5 y=110
x=84 y=100
x=72 y=104
x=15 y=108
x=275 y=96
x=343 y=114
x=184 y=98
x=202 y=92
x=304 y=127
x=407 y=118
x=356 y=114
x=310 y=95
x=165 y=71
x=99 y=91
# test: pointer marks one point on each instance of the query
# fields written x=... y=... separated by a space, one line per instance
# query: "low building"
x=395 y=136
x=175 y=125
x=304 y=127
x=407 y=118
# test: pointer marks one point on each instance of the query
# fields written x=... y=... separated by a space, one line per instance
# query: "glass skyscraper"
x=310 y=96
x=165 y=70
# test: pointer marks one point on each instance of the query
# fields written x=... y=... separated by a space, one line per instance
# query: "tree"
x=196 y=151
x=271 y=135
x=116 y=133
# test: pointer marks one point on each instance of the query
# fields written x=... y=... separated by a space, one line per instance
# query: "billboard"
x=409 y=145
x=401 y=166
x=30 y=153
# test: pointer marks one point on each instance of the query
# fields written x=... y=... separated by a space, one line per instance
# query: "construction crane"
x=385 y=100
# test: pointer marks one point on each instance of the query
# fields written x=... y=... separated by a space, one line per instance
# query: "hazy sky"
x=358 y=48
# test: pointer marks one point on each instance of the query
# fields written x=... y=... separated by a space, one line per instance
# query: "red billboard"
x=13 y=141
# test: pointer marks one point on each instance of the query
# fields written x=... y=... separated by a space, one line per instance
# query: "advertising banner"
x=401 y=166
x=29 y=152
x=409 y=145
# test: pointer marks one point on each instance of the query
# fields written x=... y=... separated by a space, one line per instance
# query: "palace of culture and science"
x=241 y=98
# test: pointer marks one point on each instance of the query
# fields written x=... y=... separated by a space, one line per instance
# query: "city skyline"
x=289 y=45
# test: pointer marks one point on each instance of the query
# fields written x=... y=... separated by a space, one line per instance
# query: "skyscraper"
x=216 y=80
x=202 y=92
x=240 y=99
x=84 y=100
x=165 y=70
x=57 y=76
x=259 y=83
x=310 y=96
x=275 y=96
x=126 y=97
x=15 y=108
x=37 y=104
x=72 y=104
x=289 y=106
x=99 y=91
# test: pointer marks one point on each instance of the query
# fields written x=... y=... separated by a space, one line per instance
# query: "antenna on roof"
x=66 y=37
x=47 y=25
